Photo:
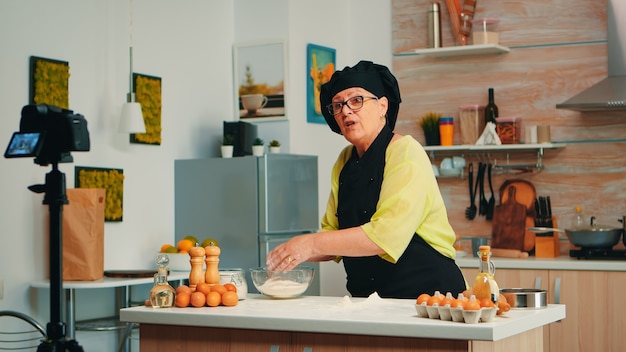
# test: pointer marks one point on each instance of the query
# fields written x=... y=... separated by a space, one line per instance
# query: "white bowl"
x=450 y=172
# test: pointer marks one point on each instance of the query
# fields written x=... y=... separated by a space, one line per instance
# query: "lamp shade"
x=132 y=119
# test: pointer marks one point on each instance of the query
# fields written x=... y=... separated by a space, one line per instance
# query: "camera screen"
x=24 y=145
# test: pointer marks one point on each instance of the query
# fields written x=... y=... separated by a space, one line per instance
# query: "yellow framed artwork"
x=320 y=67
x=148 y=94
x=112 y=180
x=49 y=82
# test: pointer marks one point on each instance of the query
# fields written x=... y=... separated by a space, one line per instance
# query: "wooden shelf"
x=464 y=50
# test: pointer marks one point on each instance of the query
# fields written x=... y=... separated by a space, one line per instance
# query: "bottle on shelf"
x=162 y=294
x=578 y=219
x=491 y=109
x=485 y=285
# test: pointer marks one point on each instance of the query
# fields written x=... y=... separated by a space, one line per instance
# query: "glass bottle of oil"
x=162 y=293
x=485 y=285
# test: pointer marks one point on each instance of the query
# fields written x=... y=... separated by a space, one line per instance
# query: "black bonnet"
x=372 y=77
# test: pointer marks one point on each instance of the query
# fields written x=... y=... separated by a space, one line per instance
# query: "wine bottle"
x=491 y=110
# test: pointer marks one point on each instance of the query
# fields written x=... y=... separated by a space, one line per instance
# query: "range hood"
x=610 y=93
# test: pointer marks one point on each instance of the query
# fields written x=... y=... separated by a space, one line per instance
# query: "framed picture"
x=49 y=82
x=259 y=79
x=112 y=180
x=148 y=94
x=320 y=63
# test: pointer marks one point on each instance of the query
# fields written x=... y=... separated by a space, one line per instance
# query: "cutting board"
x=526 y=195
x=509 y=223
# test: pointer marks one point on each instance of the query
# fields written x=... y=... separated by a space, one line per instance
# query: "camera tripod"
x=55 y=197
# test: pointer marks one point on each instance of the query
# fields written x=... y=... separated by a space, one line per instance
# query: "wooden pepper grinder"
x=196 y=275
x=212 y=276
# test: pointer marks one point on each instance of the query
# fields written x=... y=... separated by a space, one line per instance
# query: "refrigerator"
x=248 y=204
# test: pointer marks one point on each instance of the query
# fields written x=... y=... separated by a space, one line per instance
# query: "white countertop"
x=385 y=317
x=559 y=263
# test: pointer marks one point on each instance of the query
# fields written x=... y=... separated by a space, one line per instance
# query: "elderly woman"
x=385 y=217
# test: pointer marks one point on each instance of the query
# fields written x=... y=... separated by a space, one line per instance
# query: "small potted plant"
x=227 y=146
x=257 y=147
x=430 y=125
x=274 y=146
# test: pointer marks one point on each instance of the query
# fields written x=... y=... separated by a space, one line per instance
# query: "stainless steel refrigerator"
x=248 y=204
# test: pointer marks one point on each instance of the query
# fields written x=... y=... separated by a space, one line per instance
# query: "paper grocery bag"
x=83 y=234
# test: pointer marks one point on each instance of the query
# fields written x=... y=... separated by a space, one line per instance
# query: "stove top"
x=598 y=253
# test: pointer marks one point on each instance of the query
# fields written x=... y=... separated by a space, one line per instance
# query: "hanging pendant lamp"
x=132 y=117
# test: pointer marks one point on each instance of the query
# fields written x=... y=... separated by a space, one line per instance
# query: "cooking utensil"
x=482 y=202
x=509 y=223
x=492 y=200
x=470 y=212
x=525 y=195
x=596 y=236
x=525 y=298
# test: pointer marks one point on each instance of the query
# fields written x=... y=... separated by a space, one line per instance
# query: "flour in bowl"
x=278 y=287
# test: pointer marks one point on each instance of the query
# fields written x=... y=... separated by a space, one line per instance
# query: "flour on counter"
x=373 y=300
x=282 y=288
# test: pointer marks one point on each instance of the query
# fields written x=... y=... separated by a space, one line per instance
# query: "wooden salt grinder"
x=212 y=276
x=196 y=275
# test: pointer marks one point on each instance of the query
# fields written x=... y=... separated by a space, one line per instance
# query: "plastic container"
x=485 y=31
x=509 y=129
x=446 y=131
x=471 y=122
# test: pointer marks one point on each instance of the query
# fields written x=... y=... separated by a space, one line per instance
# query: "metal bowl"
x=525 y=298
x=596 y=236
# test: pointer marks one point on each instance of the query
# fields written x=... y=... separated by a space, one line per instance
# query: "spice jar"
x=446 y=131
x=485 y=31
x=471 y=122
x=509 y=129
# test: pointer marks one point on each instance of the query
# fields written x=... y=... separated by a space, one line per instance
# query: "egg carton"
x=484 y=315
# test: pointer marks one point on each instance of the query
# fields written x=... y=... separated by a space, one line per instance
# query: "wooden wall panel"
x=558 y=48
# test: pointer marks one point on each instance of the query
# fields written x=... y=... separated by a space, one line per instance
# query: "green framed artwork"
x=148 y=94
x=112 y=180
x=320 y=67
x=49 y=82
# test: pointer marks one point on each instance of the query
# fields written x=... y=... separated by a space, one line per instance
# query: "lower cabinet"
x=594 y=303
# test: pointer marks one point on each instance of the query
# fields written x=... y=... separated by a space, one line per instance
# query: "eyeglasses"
x=354 y=103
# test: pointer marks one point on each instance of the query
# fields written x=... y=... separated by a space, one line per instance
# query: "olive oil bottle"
x=485 y=285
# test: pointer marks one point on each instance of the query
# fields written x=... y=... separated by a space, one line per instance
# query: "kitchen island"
x=313 y=323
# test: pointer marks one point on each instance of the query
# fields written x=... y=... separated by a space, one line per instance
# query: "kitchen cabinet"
x=593 y=299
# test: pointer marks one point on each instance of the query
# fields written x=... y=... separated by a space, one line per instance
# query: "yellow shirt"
x=409 y=203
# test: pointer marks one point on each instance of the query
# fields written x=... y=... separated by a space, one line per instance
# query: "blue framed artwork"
x=320 y=63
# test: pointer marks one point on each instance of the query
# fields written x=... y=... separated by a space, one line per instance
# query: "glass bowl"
x=282 y=284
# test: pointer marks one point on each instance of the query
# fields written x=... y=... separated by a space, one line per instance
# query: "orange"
x=165 y=246
x=182 y=299
x=219 y=289
x=184 y=289
x=230 y=299
x=424 y=297
x=185 y=245
x=230 y=287
x=203 y=287
x=213 y=299
x=198 y=299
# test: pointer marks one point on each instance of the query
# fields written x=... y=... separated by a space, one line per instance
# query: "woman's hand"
x=288 y=255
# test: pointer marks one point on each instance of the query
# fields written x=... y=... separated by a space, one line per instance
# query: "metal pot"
x=525 y=298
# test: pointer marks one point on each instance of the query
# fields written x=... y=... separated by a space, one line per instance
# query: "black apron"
x=420 y=269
